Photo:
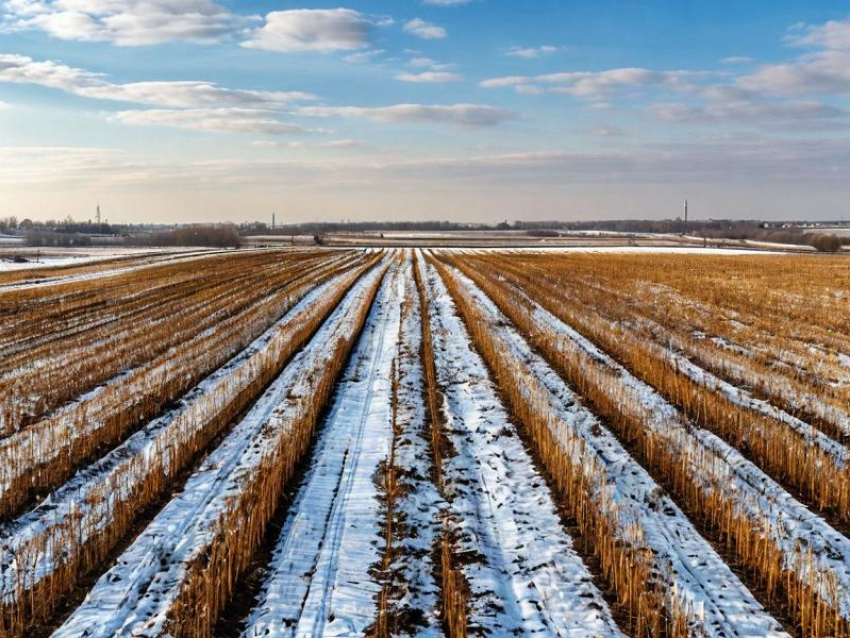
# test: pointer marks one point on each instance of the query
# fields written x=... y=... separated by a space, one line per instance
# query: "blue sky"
x=482 y=110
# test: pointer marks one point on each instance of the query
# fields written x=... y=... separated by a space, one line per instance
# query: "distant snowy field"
x=53 y=257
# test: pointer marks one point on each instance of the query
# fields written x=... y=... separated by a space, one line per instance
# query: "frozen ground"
x=699 y=583
x=809 y=544
x=319 y=582
x=135 y=597
x=56 y=257
x=524 y=576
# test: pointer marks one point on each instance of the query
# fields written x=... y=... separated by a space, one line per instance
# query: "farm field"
x=426 y=442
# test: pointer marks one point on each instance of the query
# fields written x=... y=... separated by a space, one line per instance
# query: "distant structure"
x=97 y=215
x=686 y=210
x=273 y=220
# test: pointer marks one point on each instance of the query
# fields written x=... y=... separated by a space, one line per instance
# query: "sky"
x=463 y=110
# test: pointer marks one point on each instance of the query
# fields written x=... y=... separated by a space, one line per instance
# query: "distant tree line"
x=218 y=236
x=319 y=228
x=69 y=233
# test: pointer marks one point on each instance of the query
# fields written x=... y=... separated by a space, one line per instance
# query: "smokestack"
x=686 y=210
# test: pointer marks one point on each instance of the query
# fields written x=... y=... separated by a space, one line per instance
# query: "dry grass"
x=210 y=582
x=455 y=589
x=45 y=454
x=629 y=568
x=781 y=576
x=106 y=520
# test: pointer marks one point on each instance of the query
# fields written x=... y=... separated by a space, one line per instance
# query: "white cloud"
x=363 y=57
x=429 y=77
x=737 y=59
x=465 y=115
x=747 y=111
x=333 y=144
x=596 y=85
x=221 y=120
x=322 y=30
x=124 y=22
x=425 y=30
x=606 y=131
x=422 y=62
x=21 y=69
x=530 y=52
x=821 y=72
x=347 y=143
x=834 y=34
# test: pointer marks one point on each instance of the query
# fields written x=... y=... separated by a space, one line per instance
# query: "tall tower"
x=686 y=211
x=273 y=220
x=97 y=215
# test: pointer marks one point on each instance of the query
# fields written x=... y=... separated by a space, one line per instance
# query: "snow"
x=697 y=580
x=419 y=505
x=38 y=281
x=812 y=437
x=135 y=596
x=90 y=497
x=666 y=250
x=318 y=583
x=527 y=578
x=810 y=546
x=55 y=436
x=56 y=258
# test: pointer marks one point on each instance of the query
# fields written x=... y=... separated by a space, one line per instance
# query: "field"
x=426 y=442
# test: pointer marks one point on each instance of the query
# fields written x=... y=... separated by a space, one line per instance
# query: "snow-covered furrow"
x=811 y=547
x=86 y=504
x=91 y=329
x=111 y=272
x=319 y=583
x=415 y=591
x=792 y=395
x=743 y=398
x=53 y=438
x=38 y=350
x=523 y=573
x=134 y=598
x=750 y=337
x=790 y=349
x=722 y=358
x=698 y=582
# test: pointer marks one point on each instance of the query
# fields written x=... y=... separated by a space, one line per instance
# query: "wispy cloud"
x=834 y=34
x=425 y=30
x=22 y=69
x=737 y=59
x=595 y=85
x=429 y=77
x=464 y=115
x=748 y=111
x=363 y=57
x=221 y=120
x=529 y=53
x=818 y=73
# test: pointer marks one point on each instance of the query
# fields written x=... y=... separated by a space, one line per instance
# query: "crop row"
x=141 y=327
x=69 y=534
x=794 y=554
